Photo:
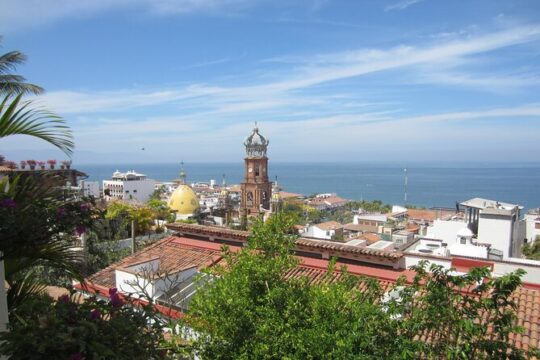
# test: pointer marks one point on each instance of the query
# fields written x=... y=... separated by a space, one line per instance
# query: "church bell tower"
x=256 y=188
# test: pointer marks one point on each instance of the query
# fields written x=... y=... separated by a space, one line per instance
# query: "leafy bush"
x=93 y=329
x=255 y=309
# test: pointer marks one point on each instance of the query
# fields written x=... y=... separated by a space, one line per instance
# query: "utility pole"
x=133 y=236
x=405 y=197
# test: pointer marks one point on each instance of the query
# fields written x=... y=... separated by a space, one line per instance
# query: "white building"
x=532 y=225
x=325 y=231
x=496 y=231
x=370 y=222
x=89 y=188
x=128 y=186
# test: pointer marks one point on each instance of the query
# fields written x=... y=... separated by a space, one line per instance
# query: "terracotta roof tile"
x=371 y=238
x=173 y=253
x=180 y=252
x=329 y=225
x=427 y=215
x=289 y=195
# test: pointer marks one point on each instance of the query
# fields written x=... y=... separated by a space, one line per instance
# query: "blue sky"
x=395 y=80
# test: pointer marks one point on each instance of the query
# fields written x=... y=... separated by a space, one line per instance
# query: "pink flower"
x=116 y=301
x=80 y=229
x=77 y=356
x=95 y=314
x=8 y=203
x=60 y=213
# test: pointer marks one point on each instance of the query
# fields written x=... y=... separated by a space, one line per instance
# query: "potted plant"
x=41 y=165
x=23 y=164
x=51 y=163
x=66 y=164
x=32 y=164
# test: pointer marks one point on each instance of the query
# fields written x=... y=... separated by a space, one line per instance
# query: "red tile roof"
x=175 y=254
x=201 y=253
x=329 y=225
x=427 y=215
x=346 y=249
x=289 y=195
x=354 y=227
x=371 y=238
x=310 y=245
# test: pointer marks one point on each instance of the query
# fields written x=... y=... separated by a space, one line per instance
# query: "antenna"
x=406 y=180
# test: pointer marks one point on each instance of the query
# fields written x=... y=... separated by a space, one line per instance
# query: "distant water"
x=428 y=184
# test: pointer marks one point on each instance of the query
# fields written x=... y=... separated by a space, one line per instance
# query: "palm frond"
x=21 y=118
x=12 y=83
x=56 y=255
x=10 y=60
x=22 y=288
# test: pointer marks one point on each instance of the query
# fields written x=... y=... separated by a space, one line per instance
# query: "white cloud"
x=20 y=14
x=289 y=87
x=401 y=5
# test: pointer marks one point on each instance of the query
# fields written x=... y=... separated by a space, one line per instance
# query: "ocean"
x=428 y=184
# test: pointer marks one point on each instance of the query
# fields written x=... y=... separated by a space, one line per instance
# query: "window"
x=463 y=240
x=257 y=171
x=134 y=191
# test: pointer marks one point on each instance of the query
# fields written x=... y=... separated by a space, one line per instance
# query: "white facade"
x=532 y=225
x=500 y=268
x=316 y=232
x=501 y=230
x=90 y=188
x=378 y=218
x=445 y=230
x=128 y=186
x=497 y=225
x=145 y=279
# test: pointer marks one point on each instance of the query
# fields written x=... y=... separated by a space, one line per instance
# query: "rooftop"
x=427 y=214
x=180 y=252
x=480 y=203
x=329 y=225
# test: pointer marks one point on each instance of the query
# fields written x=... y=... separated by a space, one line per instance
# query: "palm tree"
x=22 y=118
x=13 y=83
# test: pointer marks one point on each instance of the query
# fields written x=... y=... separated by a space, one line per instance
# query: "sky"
x=326 y=80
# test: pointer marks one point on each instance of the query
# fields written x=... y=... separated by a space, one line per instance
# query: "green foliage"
x=22 y=118
x=38 y=225
x=532 y=250
x=255 y=310
x=301 y=213
x=101 y=253
x=375 y=206
x=13 y=83
x=305 y=214
x=93 y=329
x=143 y=216
x=157 y=193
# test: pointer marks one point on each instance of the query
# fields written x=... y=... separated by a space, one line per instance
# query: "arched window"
x=250 y=198
x=257 y=170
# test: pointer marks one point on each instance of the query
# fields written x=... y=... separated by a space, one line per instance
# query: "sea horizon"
x=430 y=184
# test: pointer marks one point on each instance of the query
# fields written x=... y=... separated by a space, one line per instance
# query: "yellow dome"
x=184 y=200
